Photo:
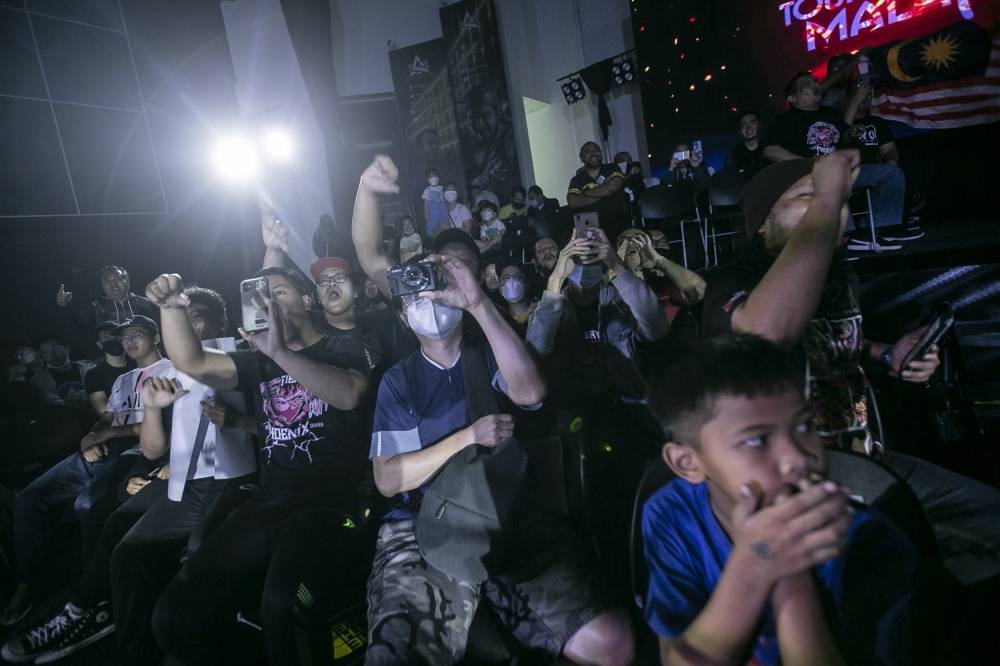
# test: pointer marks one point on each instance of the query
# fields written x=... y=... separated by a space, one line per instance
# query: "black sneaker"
x=61 y=636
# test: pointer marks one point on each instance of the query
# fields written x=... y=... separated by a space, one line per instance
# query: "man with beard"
x=599 y=187
x=546 y=256
x=305 y=389
x=116 y=304
x=794 y=288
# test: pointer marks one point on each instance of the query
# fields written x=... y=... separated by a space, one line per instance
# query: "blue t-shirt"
x=868 y=589
x=419 y=404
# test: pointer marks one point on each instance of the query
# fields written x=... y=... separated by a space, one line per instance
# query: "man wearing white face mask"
x=421 y=421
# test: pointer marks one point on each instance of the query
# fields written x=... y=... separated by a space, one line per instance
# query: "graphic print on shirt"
x=822 y=138
x=292 y=413
x=866 y=135
x=126 y=393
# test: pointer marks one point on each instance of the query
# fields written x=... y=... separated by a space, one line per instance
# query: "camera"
x=413 y=278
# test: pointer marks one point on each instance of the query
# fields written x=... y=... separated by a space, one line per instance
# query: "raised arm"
x=776 y=153
x=208 y=366
x=157 y=394
x=782 y=305
x=379 y=178
x=275 y=236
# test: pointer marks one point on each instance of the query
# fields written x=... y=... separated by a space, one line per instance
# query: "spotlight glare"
x=278 y=144
x=235 y=159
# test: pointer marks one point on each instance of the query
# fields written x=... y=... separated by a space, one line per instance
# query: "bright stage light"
x=278 y=144
x=235 y=158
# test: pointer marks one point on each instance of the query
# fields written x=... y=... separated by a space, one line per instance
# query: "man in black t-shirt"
x=599 y=187
x=748 y=157
x=305 y=389
x=795 y=289
x=99 y=379
x=807 y=129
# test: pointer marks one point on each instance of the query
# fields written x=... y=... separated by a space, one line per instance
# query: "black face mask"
x=113 y=347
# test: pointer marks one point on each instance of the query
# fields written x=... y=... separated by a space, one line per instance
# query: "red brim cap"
x=321 y=265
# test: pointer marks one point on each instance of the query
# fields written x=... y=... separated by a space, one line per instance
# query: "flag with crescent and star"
x=950 y=78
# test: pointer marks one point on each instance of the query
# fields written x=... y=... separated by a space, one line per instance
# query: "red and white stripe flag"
x=968 y=101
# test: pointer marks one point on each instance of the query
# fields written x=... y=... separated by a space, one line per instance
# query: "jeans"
x=147 y=557
x=304 y=552
x=964 y=513
x=888 y=193
x=72 y=478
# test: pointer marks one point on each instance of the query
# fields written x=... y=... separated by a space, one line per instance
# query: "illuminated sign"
x=843 y=20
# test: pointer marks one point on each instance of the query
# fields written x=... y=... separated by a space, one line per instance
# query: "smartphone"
x=585 y=223
x=682 y=155
x=253 y=317
x=153 y=472
x=696 y=147
x=944 y=317
x=863 y=77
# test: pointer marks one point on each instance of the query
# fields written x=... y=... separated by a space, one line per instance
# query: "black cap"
x=764 y=189
x=138 y=321
x=449 y=236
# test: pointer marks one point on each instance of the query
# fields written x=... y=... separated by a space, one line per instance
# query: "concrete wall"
x=542 y=41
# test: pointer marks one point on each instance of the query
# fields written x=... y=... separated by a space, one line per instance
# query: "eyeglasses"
x=329 y=281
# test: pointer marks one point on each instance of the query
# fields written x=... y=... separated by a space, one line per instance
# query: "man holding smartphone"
x=298 y=525
x=599 y=187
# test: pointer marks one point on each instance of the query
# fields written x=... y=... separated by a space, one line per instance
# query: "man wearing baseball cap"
x=794 y=287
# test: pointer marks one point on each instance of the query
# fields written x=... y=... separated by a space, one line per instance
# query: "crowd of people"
x=394 y=430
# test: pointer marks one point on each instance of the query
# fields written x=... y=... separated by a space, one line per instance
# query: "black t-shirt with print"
x=613 y=210
x=806 y=133
x=306 y=445
x=833 y=343
x=867 y=135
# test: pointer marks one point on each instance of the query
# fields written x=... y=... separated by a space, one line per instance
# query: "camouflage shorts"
x=417 y=614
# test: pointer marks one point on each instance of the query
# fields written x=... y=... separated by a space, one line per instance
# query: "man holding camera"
x=418 y=612
x=298 y=524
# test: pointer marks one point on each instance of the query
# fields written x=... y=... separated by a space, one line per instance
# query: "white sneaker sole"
x=16 y=658
x=56 y=655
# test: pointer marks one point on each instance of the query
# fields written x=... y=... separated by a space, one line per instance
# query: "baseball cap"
x=321 y=265
x=138 y=321
x=764 y=190
x=449 y=236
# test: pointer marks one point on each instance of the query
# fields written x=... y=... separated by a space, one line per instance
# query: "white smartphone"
x=253 y=317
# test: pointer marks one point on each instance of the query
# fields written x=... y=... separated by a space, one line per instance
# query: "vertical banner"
x=426 y=117
x=479 y=87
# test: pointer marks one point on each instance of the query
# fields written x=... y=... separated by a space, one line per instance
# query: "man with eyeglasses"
x=90 y=476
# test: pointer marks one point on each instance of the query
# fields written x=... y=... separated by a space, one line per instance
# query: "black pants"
x=302 y=550
x=145 y=560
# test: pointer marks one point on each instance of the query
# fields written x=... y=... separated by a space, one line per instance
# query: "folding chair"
x=724 y=205
x=674 y=205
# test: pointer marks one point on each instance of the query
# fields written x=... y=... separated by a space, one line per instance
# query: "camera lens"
x=414 y=277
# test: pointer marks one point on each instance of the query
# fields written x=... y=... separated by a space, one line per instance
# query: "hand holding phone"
x=944 y=318
x=254 y=319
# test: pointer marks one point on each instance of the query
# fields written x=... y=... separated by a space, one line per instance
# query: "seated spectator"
x=459 y=217
x=99 y=379
x=675 y=286
x=794 y=288
x=836 y=87
x=421 y=421
x=106 y=454
x=516 y=207
x=148 y=531
x=477 y=195
x=807 y=129
x=686 y=165
x=873 y=138
x=117 y=303
x=753 y=556
x=491 y=228
x=435 y=207
x=490 y=280
x=306 y=391
x=517 y=294
x=748 y=157
x=634 y=186
x=31 y=369
x=599 y=187
x=546 y=254
x=59 y=364
x=520 y=236
x=411 y=243
x=539 y=204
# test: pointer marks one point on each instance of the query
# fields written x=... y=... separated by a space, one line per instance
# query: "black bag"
x=471 y=506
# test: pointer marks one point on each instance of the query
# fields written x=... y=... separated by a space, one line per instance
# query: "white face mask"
x=433 y=181
x=431 y=318
x=513 y=291
x=624 y=167
x=488 y=215
x=451 y=195
x=534 y=203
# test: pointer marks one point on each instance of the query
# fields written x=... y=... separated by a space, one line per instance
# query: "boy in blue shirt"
x=755 y=557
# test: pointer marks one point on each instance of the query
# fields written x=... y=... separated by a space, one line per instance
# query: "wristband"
x=885 y=358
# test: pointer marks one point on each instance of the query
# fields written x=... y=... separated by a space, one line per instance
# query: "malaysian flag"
x=950 y=78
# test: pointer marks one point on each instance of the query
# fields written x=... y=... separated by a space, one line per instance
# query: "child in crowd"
x=754 y=556
x=435 y=208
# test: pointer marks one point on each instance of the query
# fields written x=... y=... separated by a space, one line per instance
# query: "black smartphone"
x=944 y=318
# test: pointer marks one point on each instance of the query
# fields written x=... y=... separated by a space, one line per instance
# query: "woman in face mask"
x=459 y=216
x=491 y=228
x=515 y=289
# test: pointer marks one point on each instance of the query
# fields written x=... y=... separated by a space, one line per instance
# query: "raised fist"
x=167 y=291
x=63 y=297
